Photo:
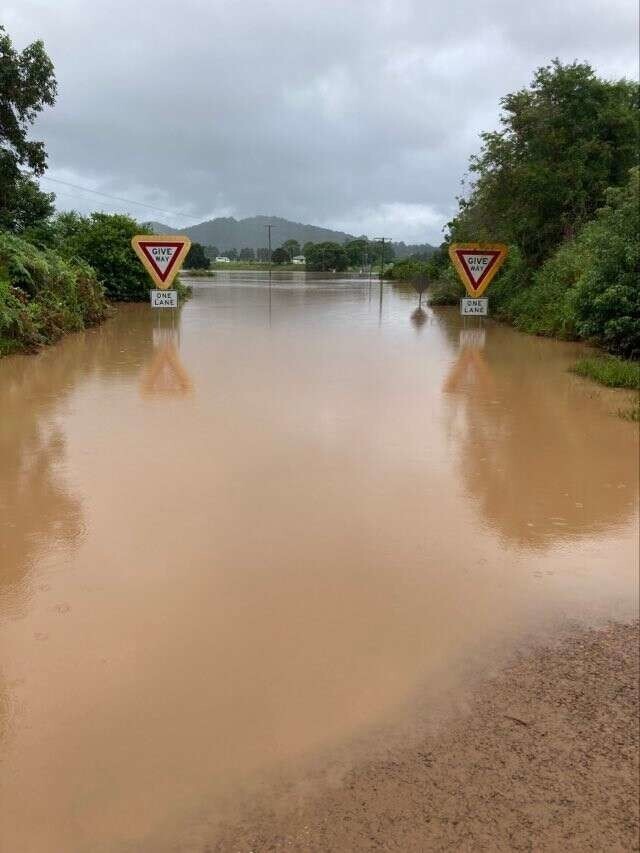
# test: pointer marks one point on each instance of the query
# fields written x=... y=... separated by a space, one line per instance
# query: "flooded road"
x=243 y=536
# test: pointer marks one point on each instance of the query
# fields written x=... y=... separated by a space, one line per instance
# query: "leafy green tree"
x=196 y=258
x=437 y=262
x=232 y=254
x=27 y=85
x=326 y=256
x=360 y=252
x=564 y=141
x=280 y=256
x=292 y=248
x=262 y=255
x=409 y=270
x=607 y=298
x=247 y=254
x=103 y=240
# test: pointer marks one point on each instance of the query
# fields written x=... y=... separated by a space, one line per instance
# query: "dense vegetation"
x=43 y=295
x=56 y=272
x=610 y=371
x=196 y=258
x=559 y=184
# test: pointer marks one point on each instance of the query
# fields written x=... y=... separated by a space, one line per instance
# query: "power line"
x=118 y=198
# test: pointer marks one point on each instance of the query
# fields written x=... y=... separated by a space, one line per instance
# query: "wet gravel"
x=545 y=758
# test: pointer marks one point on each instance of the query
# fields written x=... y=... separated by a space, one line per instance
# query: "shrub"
x=43 y=295
x=611 y=371
x=607 y=299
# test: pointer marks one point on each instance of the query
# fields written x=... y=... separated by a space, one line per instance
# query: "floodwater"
x=241 y=536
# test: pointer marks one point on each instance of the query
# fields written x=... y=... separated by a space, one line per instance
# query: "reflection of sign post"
x=476 y=265
x=162 y=257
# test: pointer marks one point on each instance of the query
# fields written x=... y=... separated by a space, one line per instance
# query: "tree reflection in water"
x=544 y=462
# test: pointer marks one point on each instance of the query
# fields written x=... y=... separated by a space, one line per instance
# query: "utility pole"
x=381 y=240
x=269 y=227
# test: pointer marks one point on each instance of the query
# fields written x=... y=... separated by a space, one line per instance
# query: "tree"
x=607 y=299
x=280 y=256
x=232 y=254
x=196 y=258
x=247 y=254
x=359 y=252
x=262 y=255
x=326 y=256
x=563 y=142
x=103 y=240
x=27 y=84
x=292 y=248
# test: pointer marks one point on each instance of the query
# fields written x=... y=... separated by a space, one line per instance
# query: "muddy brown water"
x=245 y=534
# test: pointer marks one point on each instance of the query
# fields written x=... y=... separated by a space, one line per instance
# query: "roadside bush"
x=448 y=290
x=408 y=270
x=607 y=298
x=588 y=289
x=43 y=295
x=610 y=371
x=103 y=240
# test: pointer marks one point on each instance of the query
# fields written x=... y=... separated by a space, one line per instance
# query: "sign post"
x=476 y=265
x=162 y=257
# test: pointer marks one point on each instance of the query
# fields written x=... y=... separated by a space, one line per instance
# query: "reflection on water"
x=544 y=462
x=165 y=375
x=38 y=512
x=344 y=515
x=419 y=318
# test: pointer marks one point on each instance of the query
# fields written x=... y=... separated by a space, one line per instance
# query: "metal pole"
x=269 y=227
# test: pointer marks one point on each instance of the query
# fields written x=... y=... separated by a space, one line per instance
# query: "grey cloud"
x=341 y=113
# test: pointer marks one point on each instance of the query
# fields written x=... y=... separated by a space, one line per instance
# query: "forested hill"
x=229 y=233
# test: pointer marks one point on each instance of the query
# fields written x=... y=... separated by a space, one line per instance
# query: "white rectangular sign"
x=165 y=299
x=474 y=307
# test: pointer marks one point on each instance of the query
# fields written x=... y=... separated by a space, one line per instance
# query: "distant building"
x=223 y=259
x=299 y=259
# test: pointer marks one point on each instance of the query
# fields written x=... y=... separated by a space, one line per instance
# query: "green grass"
x=610 y=371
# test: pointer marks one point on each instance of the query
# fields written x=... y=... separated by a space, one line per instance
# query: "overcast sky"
x=359 y=114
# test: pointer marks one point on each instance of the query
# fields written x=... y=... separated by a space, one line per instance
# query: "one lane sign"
x=474 y=307
x=164 y=298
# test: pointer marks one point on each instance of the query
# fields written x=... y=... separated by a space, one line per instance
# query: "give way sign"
x=161 y=256
x=477 y=264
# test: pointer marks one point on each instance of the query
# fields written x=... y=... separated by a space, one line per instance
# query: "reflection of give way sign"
x=477 y=263
x=162 y=256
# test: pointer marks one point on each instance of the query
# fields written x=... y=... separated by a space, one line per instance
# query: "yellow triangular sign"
x=161 y=256
x=477 y=264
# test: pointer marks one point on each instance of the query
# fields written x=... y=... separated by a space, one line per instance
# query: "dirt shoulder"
x=546 y=759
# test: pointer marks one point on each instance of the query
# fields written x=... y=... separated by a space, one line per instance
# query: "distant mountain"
x=229 y=233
